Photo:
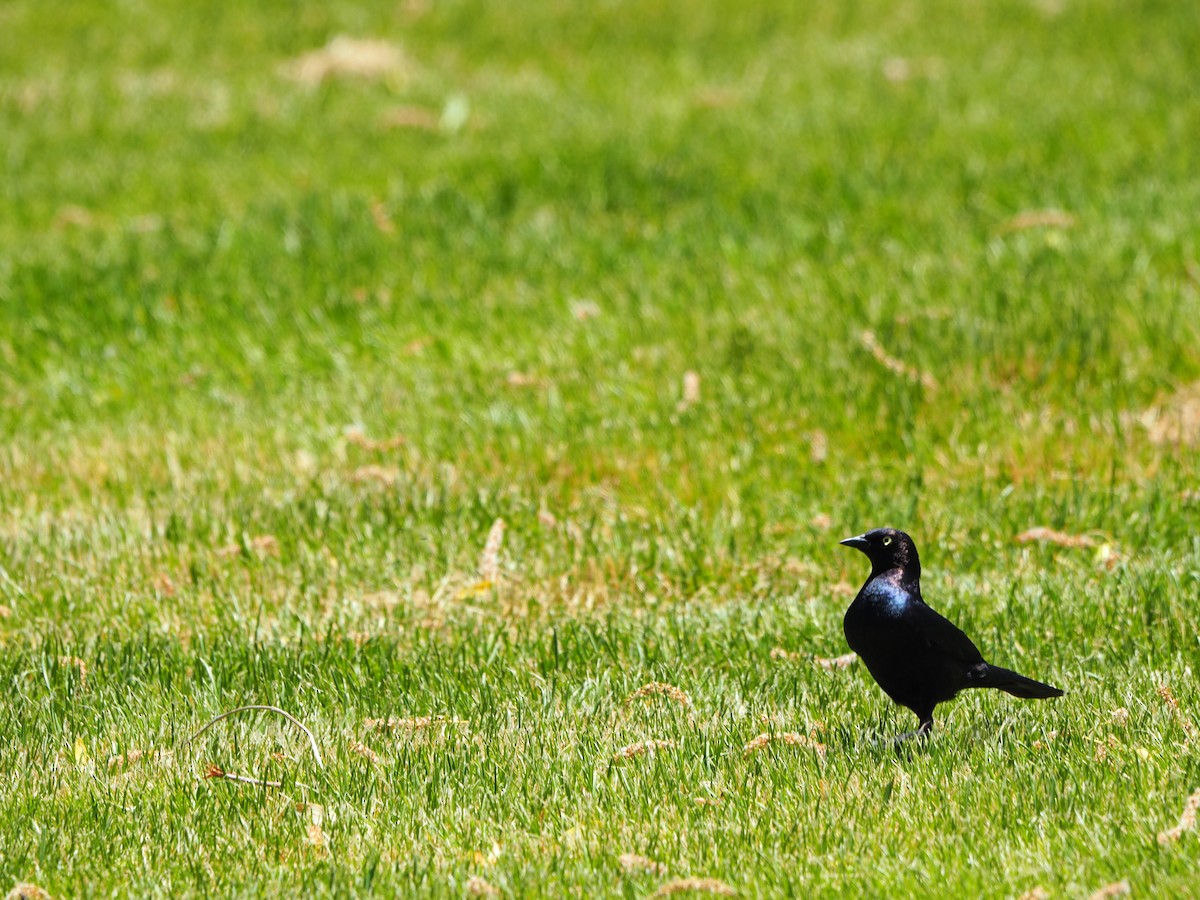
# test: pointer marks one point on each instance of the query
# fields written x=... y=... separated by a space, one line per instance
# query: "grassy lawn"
x=488 y=385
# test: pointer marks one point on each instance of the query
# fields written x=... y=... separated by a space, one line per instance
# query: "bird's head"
x=888 y=548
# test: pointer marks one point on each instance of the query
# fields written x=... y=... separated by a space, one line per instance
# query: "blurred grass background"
x=683 y=293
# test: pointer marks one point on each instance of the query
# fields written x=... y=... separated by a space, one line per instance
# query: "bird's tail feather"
x=1017 y=685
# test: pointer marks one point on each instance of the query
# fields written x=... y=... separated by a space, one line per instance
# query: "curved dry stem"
x=275 y=709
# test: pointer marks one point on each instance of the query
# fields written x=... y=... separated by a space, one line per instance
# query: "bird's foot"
x=923 y=731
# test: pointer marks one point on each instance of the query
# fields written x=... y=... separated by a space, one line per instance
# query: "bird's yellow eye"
x=887 y=540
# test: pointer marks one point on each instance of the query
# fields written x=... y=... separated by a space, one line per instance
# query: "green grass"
x=214 y=280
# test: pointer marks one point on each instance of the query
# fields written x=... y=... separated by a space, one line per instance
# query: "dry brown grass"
x=660 y=689
x=1116 y=889
x=689 y=391
x=894 y=365
x=361 y=749
x=24 y=890
x=479 y=887
x=1037 y=218
x=489 y=559
x=1043 y=535
x=695 y=886
x=1187 y=820
x=634 y=864
x=355 y=435
x=643 y=748
x=347 y=57
x=262 y=546
x=838 y=662
x=420 y=117
x=818 y=446
x=129 y=757
x=385 y=476
x=314 y=833
x=1176 y=419
x=411 y=724
x=1185 y=721
x=789 y=655
x=789 y=738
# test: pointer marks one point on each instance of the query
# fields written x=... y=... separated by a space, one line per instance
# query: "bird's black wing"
x=943 y=634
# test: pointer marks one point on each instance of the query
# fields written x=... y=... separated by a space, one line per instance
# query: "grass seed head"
x=642 y=748
x=1185 y=721
x=791 y=738
x=363 y=750
x=76 y=662
x=660 y=688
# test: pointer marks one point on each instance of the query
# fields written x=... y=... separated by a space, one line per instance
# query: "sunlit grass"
x=679 y=294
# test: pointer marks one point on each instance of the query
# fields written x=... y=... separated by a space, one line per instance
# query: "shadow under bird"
x=917 y=656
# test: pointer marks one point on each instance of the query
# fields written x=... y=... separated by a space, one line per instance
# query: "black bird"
x=918 y=657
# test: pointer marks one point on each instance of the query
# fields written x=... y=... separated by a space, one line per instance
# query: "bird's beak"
x=858 y=542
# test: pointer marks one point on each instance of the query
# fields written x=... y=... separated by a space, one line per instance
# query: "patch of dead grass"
x=633 y=863
x=1174 y=420
x=355 y=435
x=347 y=57
x=1043 y=535
x=384 y=476
x=25 y=890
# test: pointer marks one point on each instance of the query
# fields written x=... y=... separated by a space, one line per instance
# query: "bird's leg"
x=924 y=730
